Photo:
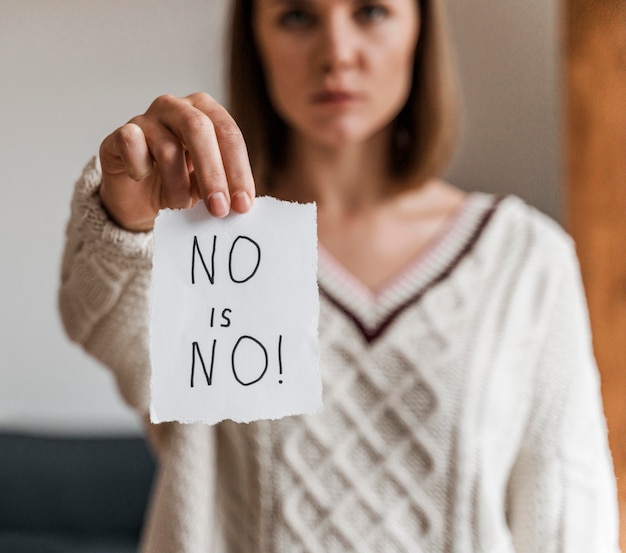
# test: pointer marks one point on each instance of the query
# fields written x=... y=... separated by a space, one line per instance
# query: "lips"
x=334 y=97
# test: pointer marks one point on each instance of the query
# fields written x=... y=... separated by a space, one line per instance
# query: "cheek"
x=283 y=67
x=394 y=77
x=278 y=64
x=397 y=68
x=285 y=78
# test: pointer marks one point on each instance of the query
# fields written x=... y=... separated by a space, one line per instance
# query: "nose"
x=338 y=44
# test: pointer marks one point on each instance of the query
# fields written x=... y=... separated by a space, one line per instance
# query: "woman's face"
x=337 y=71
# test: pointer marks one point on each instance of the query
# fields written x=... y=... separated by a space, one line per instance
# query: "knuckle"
x=127 y=132
x=201 y=98
x=137 y=120
x=126 y=136
x=197 y=122
x=165 y=101
x=228 y=131
x=167 y=152
x=217 y=179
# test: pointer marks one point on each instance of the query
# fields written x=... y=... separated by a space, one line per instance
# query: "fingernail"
x=218 y=206
x=241 y=202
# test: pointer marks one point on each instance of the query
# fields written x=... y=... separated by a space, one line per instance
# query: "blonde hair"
x=424 y=131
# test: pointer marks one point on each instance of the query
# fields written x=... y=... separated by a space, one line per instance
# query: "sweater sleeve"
x=104 y=291
x=562 y=491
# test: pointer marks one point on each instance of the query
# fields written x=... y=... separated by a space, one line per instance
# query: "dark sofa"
x=72 y=495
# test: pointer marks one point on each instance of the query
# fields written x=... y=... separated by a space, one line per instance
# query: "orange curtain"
x=595 y=194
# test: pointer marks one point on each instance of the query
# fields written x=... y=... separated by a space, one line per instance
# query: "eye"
x=371 y=13
x=296 y=18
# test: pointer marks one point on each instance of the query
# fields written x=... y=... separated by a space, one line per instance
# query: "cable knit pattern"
x=101 y=264
x=461 y=404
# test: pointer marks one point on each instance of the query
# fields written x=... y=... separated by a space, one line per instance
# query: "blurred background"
x=542 y=93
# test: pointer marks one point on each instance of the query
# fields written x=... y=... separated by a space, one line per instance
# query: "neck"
x=345 y=180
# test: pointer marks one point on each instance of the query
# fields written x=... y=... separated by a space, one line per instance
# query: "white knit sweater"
x=461 y=405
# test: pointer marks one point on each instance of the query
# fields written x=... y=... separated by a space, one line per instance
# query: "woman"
x=461 y=403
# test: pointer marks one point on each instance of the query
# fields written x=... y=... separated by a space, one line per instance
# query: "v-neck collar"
x=372 y=312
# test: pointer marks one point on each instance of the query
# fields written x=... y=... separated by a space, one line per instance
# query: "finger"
x=195 y=190
x=129 y=145
x=196 y=131
x=125 y=159
x=169 y=158
x=233 y=151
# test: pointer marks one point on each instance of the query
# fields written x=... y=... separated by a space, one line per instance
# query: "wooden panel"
x=595 y=138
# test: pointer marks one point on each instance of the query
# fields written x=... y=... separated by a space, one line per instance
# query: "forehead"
x=322 y=3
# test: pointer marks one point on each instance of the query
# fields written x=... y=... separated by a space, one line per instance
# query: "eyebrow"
x=308 y=2
x=291 y=2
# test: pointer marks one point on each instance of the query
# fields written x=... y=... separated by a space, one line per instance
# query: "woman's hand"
x=178 y=152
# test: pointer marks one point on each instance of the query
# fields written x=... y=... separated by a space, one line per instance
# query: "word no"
x=240 y=243
x=247 y=375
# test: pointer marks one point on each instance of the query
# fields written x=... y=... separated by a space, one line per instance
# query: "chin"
x=344 y=130
x=339 y=140
x=340 y=136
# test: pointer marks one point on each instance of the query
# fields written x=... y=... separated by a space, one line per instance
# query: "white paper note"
x=235 y=308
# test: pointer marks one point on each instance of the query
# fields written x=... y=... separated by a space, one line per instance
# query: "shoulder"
x=521 y=230
x=524 y=258
x=516 y=211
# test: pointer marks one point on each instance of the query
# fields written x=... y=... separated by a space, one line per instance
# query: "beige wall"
x=509 y=55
